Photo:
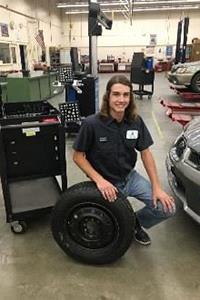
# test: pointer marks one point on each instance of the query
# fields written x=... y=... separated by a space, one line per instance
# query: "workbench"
x=36 y=86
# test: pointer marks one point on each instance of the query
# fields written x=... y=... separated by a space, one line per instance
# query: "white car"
x=187 y=74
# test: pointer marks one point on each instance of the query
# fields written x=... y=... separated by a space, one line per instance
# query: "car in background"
x=183 y=168
x=187 y=74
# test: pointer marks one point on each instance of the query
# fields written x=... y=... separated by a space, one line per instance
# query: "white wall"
x=124 y=38
x=28 y=16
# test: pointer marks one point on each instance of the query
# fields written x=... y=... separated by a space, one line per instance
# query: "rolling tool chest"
x=32 y=160
x=142 y=76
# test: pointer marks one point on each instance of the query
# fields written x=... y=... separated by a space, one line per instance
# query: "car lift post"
x=185 y=33
x=181 y=50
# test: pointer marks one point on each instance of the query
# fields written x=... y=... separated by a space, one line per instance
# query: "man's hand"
x=107 y=189
x=166 y=200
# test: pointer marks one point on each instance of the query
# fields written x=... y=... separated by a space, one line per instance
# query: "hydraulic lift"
x=181 y=112
x=185 y=93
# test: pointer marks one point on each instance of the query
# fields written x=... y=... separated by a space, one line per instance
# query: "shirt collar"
x=109 y=120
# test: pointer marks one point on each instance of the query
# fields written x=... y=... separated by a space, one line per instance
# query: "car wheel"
x=195 y=83
x=91 y=229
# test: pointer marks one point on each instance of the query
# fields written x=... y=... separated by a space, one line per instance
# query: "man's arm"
x=108 y=190
x=158 y=194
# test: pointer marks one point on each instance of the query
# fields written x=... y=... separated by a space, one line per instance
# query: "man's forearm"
x=150 y=166
x=81 y=161
x=158 y=194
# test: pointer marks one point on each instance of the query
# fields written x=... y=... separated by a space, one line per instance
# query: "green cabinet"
x=3 y=87
x=35 y=87
x=44 y=83
x=52 y=78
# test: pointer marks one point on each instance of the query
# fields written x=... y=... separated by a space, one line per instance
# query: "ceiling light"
x=166 y=2
x=166 y=8
x=136 y=10
x=64 y=5
x=86 y=11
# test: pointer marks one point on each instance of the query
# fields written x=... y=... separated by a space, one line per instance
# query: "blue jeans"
x=137 y=186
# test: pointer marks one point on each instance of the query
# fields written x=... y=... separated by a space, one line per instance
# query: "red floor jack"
x=181 y=112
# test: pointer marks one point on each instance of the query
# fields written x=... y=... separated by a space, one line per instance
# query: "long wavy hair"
x=131 y=111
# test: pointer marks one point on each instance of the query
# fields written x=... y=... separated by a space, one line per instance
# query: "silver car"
x=183 y=168
x=187 y=74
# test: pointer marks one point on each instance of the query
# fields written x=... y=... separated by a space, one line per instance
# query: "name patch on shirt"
x=132 y=134
x=103 y=139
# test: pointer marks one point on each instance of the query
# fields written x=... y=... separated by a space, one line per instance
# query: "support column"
x=93 y=51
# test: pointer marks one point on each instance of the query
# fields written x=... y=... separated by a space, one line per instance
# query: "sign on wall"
x=150 y=51
x=153 y=40
x=4 y=29
x=169 y=51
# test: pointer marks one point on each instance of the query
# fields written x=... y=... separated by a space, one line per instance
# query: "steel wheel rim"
x=91 y=225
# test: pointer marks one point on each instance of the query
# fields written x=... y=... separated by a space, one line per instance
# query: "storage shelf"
x=106 y=67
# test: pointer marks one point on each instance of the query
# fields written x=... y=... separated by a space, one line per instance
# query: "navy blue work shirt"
x=111 y=147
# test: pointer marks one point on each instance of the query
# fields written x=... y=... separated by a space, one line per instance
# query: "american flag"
x=40 y=39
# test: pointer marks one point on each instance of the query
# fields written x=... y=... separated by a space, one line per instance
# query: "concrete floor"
x=34 y=267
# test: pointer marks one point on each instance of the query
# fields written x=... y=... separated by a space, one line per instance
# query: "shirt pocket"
x=130 y=144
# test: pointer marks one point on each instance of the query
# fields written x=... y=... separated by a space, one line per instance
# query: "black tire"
x=195 y=83
x=89 y=228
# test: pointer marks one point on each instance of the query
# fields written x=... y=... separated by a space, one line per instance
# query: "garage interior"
x=32 y=264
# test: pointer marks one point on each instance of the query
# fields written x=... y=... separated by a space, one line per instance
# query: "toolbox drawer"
x=31 y=151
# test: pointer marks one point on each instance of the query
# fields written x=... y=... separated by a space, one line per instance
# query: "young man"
x=106 y=150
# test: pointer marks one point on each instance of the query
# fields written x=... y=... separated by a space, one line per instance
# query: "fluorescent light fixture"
x=166 y=8
x=76 y=12
x=86 y=11
x=64 y=5
x=166 y=2
x=137 y=10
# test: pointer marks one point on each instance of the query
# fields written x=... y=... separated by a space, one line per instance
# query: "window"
x=5 y=53
x=13 y=53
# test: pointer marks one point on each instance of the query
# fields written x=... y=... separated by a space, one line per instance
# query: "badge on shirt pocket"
x=132 y=134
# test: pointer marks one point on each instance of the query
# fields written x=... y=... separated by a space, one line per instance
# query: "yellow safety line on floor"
x=157 y=125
